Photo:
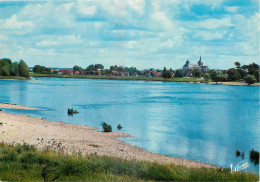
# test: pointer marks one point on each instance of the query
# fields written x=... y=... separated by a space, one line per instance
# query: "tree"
x=38 y=69
x=112 y=68
x=120 y=68
x=77 y=68
x=196 y=73
x=237 y=64
x=252 y=69
x=250 y=79
x=206 y=76
x=5 y=66
x=221 y=77
x=213 y=75
x=41 y=69
x=14 y=69
x=178 y=74
x=99 y=66
x=218 y=76
x=23 y=69
x=164 y=72
x=4 y=61
x=90 y=67
x=233 y=74
x=5 y=70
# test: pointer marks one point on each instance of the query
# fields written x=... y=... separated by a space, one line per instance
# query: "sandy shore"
x=14 y=106
x=75 y=138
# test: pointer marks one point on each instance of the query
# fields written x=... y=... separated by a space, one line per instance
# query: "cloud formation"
x=137 y=33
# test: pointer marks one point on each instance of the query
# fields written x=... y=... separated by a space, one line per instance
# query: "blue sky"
x=141 y=33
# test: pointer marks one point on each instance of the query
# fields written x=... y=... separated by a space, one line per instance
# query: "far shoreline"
x=182 y=80
x=73 y=138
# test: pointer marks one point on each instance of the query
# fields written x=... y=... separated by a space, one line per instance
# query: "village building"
x=187 y=68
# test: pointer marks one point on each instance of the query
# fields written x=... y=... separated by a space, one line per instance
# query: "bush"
x=237 y=153
x=254 y=156
x=107 y=127
x=119 y=126
x=71 y=112
x=250 y=79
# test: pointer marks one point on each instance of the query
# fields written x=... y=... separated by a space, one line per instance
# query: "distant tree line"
x=248 y=73
x=41 y=69
x=9 y=68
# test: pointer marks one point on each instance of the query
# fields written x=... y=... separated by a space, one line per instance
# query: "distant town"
x=246 y=73
x=189 y=70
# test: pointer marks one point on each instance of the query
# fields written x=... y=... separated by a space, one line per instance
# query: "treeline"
x=248 y=73
x=9 y=68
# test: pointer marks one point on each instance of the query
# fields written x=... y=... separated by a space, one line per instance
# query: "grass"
x=25 y=163
x=141 y=78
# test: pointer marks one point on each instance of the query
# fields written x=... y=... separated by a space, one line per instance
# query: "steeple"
x=200 y=62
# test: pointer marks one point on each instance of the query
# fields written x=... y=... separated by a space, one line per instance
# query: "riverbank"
x=76 y=139
x=13 y=78
x=142 y=78
x=232 y=83
x=134 y=78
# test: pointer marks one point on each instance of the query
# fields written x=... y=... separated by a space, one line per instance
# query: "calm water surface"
x=200 y=122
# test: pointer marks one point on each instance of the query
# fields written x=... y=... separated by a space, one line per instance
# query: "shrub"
x=72 y=111
x=11 y=156
x=237 y=153
x=119 y=126
x=250 y=79
x=107 y=127
x=254 y=156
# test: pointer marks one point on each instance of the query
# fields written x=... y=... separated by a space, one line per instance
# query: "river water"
x=201 y=122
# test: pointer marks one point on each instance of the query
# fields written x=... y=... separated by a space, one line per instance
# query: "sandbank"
x=70 y=138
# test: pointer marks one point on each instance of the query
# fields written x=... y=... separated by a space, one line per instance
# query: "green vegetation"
x=41 y=69
x=167 y=73
x=72 y=111
x=9 y=70
x=141 y=78
x=237 y=153
x=77 y=68
x=26 y=163
x=23 y=69
x=119 y=126
x=106 y=127
x=254 y=156
x=250 y=79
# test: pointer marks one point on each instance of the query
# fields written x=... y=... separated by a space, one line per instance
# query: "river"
x=201 y=122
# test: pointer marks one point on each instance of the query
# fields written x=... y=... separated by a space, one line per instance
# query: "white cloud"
x=12 y=23
x=137 y=5
x=209 y=35
x=133 y=30
x=211 y=23
x=232 y=9
x=60 y=40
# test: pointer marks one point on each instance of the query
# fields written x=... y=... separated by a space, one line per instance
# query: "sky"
x=139 y=33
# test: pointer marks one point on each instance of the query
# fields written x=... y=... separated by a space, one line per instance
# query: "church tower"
x=200 y=62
